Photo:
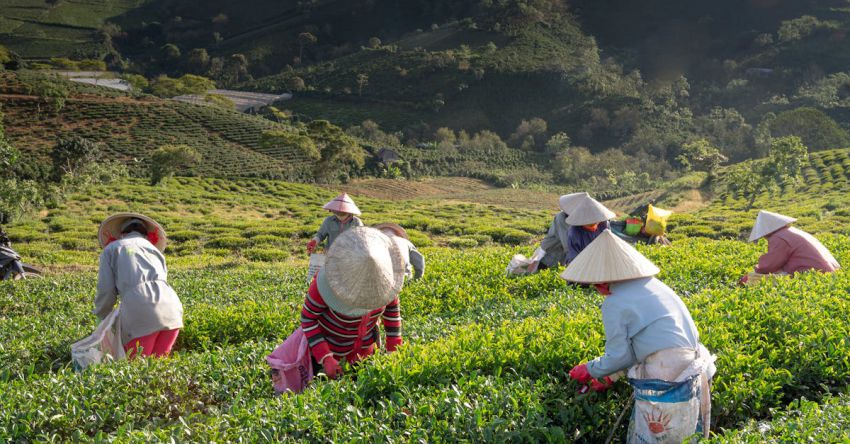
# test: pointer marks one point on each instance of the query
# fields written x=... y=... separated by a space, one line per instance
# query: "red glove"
x=601 y=386
x=580 y=374
x=744 y=279
x=332 y=368
x=312 y=245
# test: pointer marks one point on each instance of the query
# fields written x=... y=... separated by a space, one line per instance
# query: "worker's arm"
x=323 y=232
x=778 y=252
x=314 y=307
x=618 y=350
x=392 y=324
x=107 y=294
x=417 y=260
x=551 y=238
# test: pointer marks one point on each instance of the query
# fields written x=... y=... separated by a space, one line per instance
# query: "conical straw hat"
x=767 y=222
x=568 y=202
x=343 y=203
x=113 y=225
x=395 y=228
x=589 y=211
x=364 y=271
x=608 y=259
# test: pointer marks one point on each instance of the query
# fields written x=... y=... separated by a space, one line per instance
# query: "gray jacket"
x=412 y=256
x=556 y=242
x=641 y=317
x=133 y=268
x=332 y=227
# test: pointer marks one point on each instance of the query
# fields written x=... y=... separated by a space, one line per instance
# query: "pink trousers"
x=157 y=344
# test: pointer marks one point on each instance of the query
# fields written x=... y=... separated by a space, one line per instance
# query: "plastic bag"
x=665 y=411
x=292 y=368
x=317 y=261
x=656 y=221
x=101 y=346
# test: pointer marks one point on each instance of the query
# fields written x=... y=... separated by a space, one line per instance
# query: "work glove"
x=332 y=367
x=580 y=374
x=311 y=246
x=601 y=386
x=744 y=279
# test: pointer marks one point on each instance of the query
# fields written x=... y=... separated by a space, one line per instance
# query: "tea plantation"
x=486 y=355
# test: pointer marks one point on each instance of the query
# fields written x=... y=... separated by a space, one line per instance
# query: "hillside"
x=486 y=355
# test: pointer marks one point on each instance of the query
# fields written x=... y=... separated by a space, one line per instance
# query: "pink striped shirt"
x=791 y=250
x=330 y=332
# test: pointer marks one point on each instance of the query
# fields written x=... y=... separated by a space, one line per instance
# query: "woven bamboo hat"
x=111 y=228
x=568 y=202
x=608 y=259
x=767 y=222
x=589 y=211
x=398 y=230
x=364 y=270
x=343 y=203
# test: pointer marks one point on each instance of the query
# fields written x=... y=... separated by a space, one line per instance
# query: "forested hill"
x=607 y=92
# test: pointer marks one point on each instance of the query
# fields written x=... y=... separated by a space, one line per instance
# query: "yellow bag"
x=656 y=221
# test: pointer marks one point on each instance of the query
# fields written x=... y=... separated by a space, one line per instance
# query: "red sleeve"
x=778 y=252
x=392 y=324
x=314 y=307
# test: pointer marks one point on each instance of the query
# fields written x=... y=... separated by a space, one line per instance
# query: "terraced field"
x=130 y=129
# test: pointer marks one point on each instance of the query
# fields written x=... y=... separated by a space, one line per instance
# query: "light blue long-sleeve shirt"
x=641 y=317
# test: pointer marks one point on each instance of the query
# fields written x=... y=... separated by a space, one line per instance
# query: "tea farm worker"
x=553 y=248
x=789 y=249
x=587 y=222
x=132 y=266
x=650 y=333
x=344 y=216
x=413 y=259
x=358 y=286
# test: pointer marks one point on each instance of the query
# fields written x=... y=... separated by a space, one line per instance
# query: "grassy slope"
x=131 y=128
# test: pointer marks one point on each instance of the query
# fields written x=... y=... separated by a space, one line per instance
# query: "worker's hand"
x=580 y=374
x=601 y=386
x=744 y=279
x=332 y=367
x=311 y=246
x=531 y=267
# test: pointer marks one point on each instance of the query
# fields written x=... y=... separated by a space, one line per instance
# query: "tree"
x=529 y=134
x=235 y=69
x=558 y=143
x=198 y=60
x=295 y=83
x=281 y=138
x=70 y=155
x=374 y=43
x=170 y=51
x=781 y=168
x=701 y=156
x=167 y=159
x=817 y=130
x=137 y=82
x=305 y=39
x=50 y=89
x=5 y=55
x=362 y=81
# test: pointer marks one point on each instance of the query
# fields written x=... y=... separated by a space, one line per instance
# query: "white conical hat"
x=589 y=211
x=568 y=202
x=608 y=259
x=767 y=222
x=343 y=203
x=364 y=270
x=111 y=228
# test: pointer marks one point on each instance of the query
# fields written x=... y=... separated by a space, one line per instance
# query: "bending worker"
x=358 y=286
x=587 y=222
x=554 y=246
x=650 y=333
x=132 y=266
x=789 y=249
x=344 y=216
x=413 y=259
